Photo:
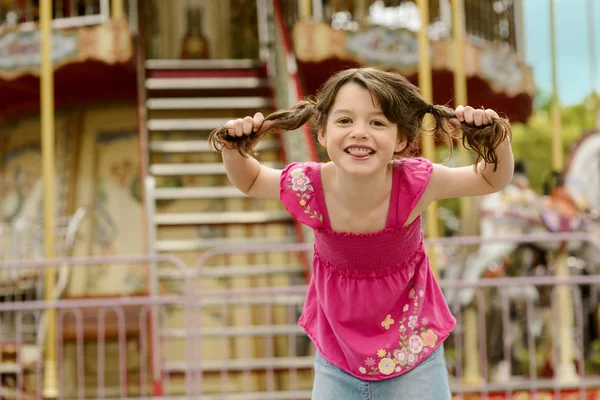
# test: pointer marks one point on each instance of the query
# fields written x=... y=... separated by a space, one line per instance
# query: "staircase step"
x=203 y=64
x=233 y=331
x=195 y=169
x=205 y=83
x=210 y=243
x=223 y=217
x=198 y=146
x=229 y=272
x=243 y=364
x=187 y=193
x=212 y=103
x=186 y=124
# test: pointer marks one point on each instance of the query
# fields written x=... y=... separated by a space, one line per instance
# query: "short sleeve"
x=412 y=176
x=297 y=193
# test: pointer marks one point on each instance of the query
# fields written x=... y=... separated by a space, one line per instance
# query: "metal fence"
x=526 y=337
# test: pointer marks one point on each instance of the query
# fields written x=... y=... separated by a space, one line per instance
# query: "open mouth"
x=360 y=152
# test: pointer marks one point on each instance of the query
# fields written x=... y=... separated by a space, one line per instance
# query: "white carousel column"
x=317 y=9
x=565 y=367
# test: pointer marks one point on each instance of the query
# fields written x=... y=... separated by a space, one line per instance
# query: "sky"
x=572 y=46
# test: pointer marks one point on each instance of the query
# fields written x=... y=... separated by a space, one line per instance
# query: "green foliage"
x=532 y=142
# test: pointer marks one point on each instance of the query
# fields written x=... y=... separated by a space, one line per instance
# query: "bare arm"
x=447 y=182
x=246 y=173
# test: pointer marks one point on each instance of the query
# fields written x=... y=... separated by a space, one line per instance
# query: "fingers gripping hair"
x=483 y=140
x=279 y=121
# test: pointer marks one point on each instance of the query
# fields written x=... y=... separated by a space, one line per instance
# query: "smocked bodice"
x=369 y=255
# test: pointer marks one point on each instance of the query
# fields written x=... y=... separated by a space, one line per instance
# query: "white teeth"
x=359 y=150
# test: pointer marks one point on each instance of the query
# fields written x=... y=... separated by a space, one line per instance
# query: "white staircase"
x=192 y=207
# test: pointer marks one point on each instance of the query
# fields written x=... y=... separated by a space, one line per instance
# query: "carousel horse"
x=572 y=204
x=21 y=238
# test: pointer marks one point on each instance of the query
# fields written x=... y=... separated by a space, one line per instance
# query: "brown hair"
x=399 y=100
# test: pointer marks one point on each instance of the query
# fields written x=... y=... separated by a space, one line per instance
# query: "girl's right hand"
x=245 y=126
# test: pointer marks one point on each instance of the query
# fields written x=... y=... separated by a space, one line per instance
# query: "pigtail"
x=279 y=121
x=483 y=140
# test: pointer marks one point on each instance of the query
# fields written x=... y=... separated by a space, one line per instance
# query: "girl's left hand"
x=472 y=116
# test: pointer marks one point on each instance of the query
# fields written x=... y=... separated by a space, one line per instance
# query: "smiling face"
x=357 y=135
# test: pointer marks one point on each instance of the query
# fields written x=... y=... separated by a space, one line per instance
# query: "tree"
x=532 y=142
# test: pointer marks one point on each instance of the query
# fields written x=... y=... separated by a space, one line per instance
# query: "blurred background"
x=130 y=267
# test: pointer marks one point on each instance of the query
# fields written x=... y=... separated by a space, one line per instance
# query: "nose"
x=359 y=131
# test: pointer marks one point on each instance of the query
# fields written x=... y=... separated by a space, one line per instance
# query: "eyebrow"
x=346 y=111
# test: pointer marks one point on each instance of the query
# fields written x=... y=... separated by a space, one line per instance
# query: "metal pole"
x=425 y=84
x=117 y=9
x=566 y=372
x=472 y=371
x=557 y=151
x=304 y=8
x=593 y=62
x=460 y=81
x=50 y=389
x=317 y=6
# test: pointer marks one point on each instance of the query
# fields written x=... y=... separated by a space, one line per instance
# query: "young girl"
x=374 y=309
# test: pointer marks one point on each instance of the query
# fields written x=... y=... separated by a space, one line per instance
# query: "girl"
x=373 y=309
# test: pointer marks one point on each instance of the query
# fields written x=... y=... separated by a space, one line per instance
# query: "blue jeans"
x=427 y=381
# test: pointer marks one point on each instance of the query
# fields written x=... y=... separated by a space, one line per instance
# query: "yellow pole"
x=472 y=375
x=305 y=8
x=50 y=389
x=460 y=79
x=565 y=368
x=117 y=9
x=557 y=151
x=425 y=84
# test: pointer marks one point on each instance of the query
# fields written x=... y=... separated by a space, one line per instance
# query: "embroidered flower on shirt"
x=362 y=370
x=412 y=321
x=387 y=322
x=424 y=321
x=300 y=183
x=429 y=338
x=401 y=357
x=405 y=309
x=381 y=353
x=415 y=344
x=370 y=361
x=386 y=366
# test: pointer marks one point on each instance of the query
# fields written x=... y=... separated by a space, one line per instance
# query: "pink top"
x=373 y=307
